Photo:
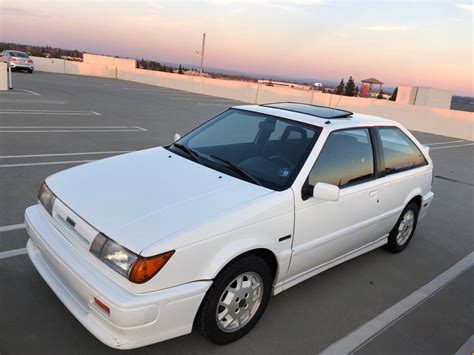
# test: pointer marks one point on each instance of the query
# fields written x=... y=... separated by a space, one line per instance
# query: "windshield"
x=262 y=149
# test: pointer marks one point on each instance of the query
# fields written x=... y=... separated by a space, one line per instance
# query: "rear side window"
x=346 y=159
x=399 y=152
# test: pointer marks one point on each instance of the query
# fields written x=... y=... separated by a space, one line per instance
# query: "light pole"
x=202 y=51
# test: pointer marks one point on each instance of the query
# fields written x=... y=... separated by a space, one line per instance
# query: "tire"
x=254 y=271
x=30 y=71
x=401 y=234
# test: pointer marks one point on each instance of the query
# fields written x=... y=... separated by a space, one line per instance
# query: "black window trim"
x=307 y=189
x=382 y=156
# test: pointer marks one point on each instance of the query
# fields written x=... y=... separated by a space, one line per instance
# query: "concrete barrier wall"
x=445 y=122
x=458 y=124
x=3 y=76
x=120 y=63
x=77 y=68
x=268 y=94
x=51 y=65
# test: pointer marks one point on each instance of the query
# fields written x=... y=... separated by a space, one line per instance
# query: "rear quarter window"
x=399 y=151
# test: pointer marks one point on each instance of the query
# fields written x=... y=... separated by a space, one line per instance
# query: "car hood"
x=140 y=198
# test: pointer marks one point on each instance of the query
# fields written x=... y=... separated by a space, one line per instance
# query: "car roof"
x=312 y=110
x=15 y=50
x=321 y=116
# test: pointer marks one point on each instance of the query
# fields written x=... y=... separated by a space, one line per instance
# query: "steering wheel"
x=279 y=158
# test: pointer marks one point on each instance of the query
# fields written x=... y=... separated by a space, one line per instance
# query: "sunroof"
x=313 y=110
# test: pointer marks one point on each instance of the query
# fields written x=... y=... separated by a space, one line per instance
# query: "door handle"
x=373 y=194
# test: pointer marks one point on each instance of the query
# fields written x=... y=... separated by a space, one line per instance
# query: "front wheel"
x=236 y=300
x=401 y=234
x=30 y=71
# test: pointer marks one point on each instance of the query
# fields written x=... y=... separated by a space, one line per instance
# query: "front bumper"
x=135 y=319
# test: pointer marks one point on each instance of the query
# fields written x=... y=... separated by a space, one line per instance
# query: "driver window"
x=346 y=159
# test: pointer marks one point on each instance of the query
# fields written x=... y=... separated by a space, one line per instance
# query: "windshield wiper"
x=238 y=170
x=190 y=152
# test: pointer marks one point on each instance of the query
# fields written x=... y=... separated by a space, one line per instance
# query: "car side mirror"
x=327 y=192
x=177 y=137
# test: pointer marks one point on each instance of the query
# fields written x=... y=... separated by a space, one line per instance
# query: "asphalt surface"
x=54 y=119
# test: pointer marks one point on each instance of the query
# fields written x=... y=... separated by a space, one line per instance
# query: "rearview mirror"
x=177 y=137
x=327 y=192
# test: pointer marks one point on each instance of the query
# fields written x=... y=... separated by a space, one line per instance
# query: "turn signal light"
x=145 y=268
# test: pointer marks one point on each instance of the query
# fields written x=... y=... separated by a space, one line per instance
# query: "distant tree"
x=380 y=95
x=393 y=97
x=180 y=70
x=350 y=87
x=340 y=88
x=356 y=91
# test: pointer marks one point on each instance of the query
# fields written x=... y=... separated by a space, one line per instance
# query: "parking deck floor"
x=51 y=122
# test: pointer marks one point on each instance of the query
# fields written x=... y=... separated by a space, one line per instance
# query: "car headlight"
x=46 y=198
x=128 y=264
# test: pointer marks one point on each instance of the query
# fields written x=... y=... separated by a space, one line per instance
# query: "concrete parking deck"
x=51 y=122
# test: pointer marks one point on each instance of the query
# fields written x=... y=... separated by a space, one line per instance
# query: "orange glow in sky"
x=399 y=42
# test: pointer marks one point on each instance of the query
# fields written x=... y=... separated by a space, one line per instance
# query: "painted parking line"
x=30 y=92
x=362 y=335
x=20 y=92
x=452 y=146
x=10 y=253
x=26 y=101
x=69 y=129
x=467 y=348
x=61 y=155
x=46 y=163
x=12 y=227
x=48 y=112
x=446 y=142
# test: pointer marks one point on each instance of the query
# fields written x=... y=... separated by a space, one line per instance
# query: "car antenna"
x=335 y=106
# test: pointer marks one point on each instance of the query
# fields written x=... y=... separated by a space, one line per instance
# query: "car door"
x=326 y=230
x=405 y=170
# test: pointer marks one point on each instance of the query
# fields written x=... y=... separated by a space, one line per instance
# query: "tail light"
x=30 y=61
x=12 y=59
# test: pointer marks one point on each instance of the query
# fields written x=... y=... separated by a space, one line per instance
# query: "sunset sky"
x=423 y=43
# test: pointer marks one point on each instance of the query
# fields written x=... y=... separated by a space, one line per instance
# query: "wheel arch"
x=264 y=253
x=417 y=199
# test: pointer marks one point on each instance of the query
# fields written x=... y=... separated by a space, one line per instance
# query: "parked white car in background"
x=17 y=60
x=143 y=246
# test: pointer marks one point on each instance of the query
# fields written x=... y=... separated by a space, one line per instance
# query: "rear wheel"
x=236 y=300
x=401 y=234
x=30 y=71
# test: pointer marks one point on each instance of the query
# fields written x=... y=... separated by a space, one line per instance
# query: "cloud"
x=18 y=11
x=268 y=2
x=154 y=5
x=386 y=28
x=237 y=11
x=466 y=7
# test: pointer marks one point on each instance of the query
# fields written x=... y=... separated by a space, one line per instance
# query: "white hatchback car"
x=143 y=246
